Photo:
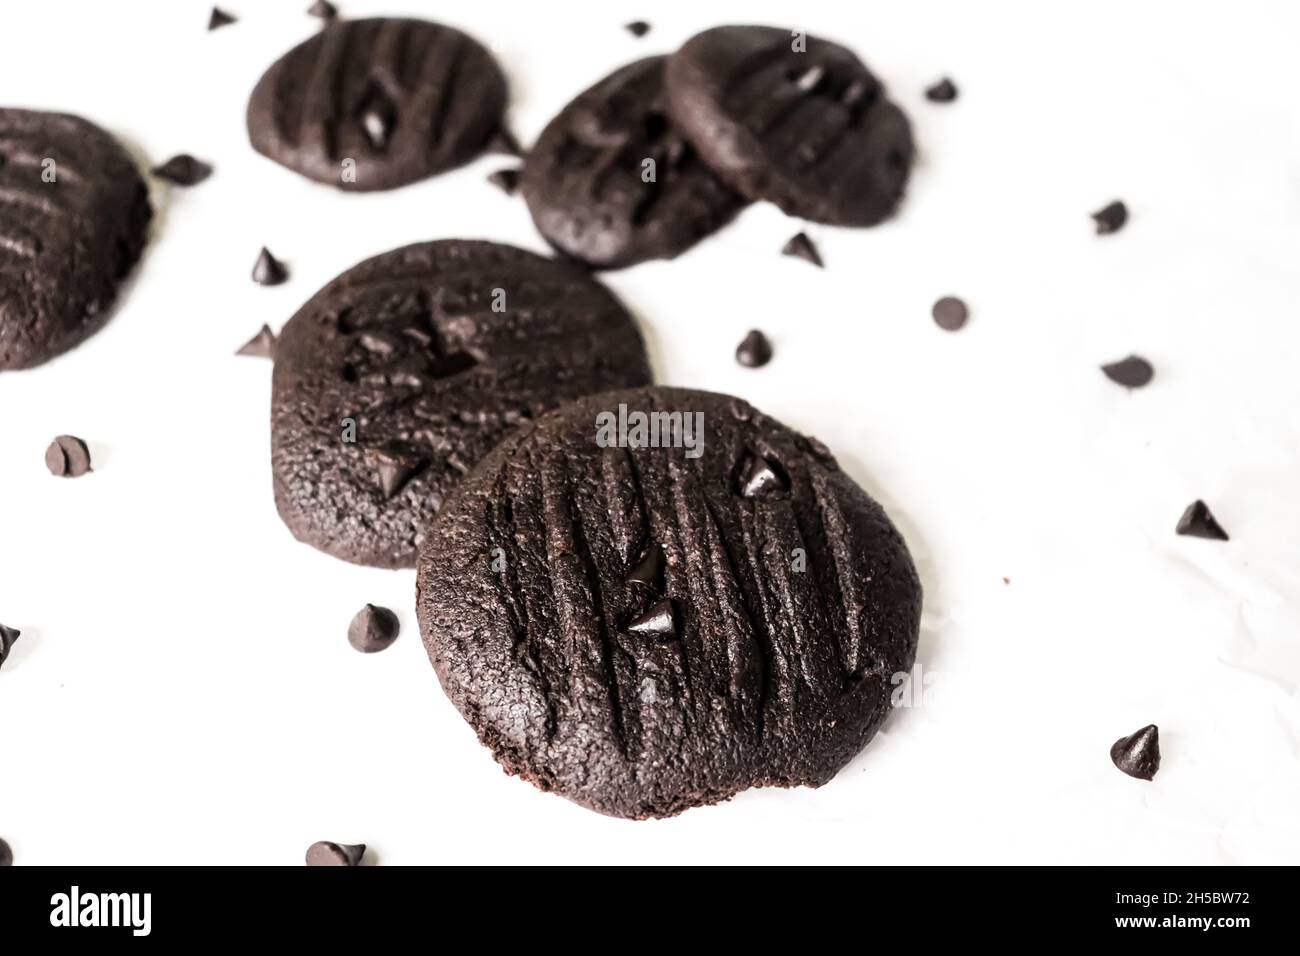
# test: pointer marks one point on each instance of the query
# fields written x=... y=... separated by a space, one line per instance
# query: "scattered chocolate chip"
x=67 y=457
x=183 y=170
x=656 y=622
x=754 y=350
x=219 y=18
x=6 y=854
x=649 y=571
x=269 y=270
x=373 y=629
x=801 y=247
x=638 y=28
x=505 y=179
x=261 y=345
x=395 y=468
x=945 y=91
x=324 y=10
x=7 y=637
x=1198 y=522
x=1111 y=218
x=1006 y=580
x=1138 y=754
x=950 y=313
x=762 y=478
x=326 y=853
x=503 y=141
x=1132 y=372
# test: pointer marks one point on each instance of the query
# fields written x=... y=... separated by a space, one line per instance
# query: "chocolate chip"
x=395 y=468
x=7 y=637
x=261 y=345
x=1110 y=218
x=858 y=93
x=945 y=91
x=638 y=28
x=762 y=478
x=1198 y=522
x=754 y=350
x=503 y=141
x=380 y=346
x=950 y=313
x=1138 y=754
x=183 y=170
x=801 y=247
x=67 y=457
x=326 y=853
x=269 y=270
x=507 y=180
x=377 y=121
x=56 y=460
x=1132 y=372
x=817 y=448
x=810 y=79
x=323 y=10
x=649 y=571
x=656 y=622
x=6 y=854
x=373 y=629
x=219 y=18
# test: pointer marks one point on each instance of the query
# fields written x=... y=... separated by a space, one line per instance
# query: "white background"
x=183 y=691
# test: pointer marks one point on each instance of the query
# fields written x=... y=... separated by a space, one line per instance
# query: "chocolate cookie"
x=646 y=629
x=74 y=217
x=792 y=119
x=403 y=372
x=375 y=104
x=611 y=182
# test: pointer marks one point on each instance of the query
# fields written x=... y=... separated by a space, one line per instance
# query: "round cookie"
x=401 y=99
x=586 y=185
x=74 y=218
x=647 y=629
x=399 y=375
x=810 y=131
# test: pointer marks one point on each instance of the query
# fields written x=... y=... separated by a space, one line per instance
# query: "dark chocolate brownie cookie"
x=610 y=181
x=792 y=119
x=74 y=217
x=399 y=99
x=398 y=376
x=647 y=629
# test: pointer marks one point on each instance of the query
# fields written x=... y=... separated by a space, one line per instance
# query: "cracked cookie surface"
x=398 y=376
x=611 y=182
x=400 y=99
x=793 y=119
x=643 y=631
x=74 y=219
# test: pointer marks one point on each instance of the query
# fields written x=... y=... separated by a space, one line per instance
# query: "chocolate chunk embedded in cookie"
x=74 y=217
x=378 y=103
x=793 y=119
x=611 y=182
x=652 y=599
x=398 y=376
